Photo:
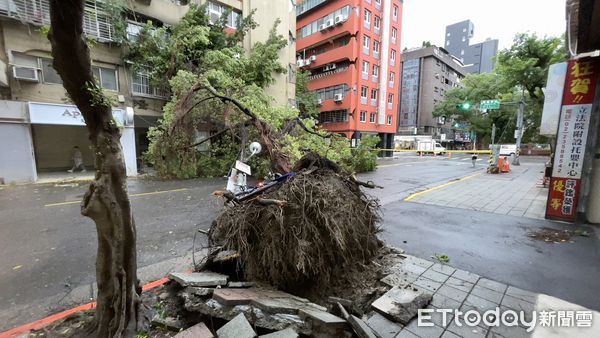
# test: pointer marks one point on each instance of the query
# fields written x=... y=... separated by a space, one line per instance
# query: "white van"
x=508 y=149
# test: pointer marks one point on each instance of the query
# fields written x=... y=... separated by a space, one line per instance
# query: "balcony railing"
x=96 y=22
x=318 y=76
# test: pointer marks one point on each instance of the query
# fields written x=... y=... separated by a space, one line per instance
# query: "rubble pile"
x=321 y=226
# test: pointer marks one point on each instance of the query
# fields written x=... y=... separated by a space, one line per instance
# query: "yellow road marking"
x=417 y=194
x=132 y=195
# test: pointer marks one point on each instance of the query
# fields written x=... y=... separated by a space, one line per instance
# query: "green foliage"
x=306 y=100
x=522 y=70
x=115 y=10
x=44 y=30
x=364 y=157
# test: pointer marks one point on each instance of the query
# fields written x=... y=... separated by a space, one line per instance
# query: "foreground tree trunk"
x=107 y=200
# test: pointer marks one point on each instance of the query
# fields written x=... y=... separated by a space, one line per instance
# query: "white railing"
x=96 y=22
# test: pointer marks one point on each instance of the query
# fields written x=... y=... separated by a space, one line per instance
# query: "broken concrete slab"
x=401 y=304
x=197 y=331
x=343 y=301
x=199 y=291
x=361 y=328
x=287 y=333
x=322 y=317
x=240 y=284
x=170 y=323
x=199 y=278
x=383 y=327
x=232 y=297
x=279 y=305
x=238 y=327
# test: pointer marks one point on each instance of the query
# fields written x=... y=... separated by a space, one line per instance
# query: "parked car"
x=508 y=149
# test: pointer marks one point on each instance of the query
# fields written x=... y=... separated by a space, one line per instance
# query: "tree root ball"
x=326 y=227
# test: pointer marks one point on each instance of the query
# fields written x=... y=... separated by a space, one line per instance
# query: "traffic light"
x=465 y=106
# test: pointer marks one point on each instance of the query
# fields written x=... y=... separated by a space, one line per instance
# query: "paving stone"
x=418 y=261
x=401 y=305
x=438 y=317
x=525 y=295
x=240 y=284
x=233 y=297
x=466 y=276
x=448 y=334
x=509 y=332
x=199 y=278
x=400 y=280
x=287 y=333
x=406 y=334
x=382 y=326
x=459 y=284
x=443 y=268
x=493 y=285
x=443 y=302
x=450 y=292
x=361 y=328
x=435 y=276
x=238 y=327
x=197 y=331
x=410 y=267
x=480 y=304
x=322 y=317
x=427 y=284
x=279 y=305
x=518 y=305
x=467 y=331
x=424 y=331
x=487 y=294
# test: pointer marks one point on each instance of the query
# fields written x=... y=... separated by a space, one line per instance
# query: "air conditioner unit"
x=26 y=73
x=312 y=58
x=338 y=97
x=322 y=27
x=329 y=67
x=329 y=23
x=300 y=63
x=339 y=19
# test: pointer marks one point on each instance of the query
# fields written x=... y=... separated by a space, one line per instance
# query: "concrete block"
x=401 y=305
x=322 y=317
x=238 y=327
x=383 y=327
x=287 y=333
x=199 y=278
x=240 y=284
x=197 y=331
x=279 y=305
x=233 y=297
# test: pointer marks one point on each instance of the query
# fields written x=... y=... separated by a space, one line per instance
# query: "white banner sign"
x=44 y=113
x=553 y=98
x=570 y=142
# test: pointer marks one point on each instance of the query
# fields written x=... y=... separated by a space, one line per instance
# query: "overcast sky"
x=426 y=20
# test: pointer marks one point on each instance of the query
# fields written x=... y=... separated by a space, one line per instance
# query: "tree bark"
x=107 y=200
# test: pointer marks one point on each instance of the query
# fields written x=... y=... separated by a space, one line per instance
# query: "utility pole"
x=493 y=133
x=519 y=129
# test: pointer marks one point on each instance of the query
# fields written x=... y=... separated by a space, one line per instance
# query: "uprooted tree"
x=211 y=80
x=106 y=201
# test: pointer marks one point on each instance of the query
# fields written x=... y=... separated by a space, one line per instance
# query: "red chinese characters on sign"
x=578 y=97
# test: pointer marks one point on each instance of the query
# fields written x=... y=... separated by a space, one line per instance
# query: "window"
x=366 y=42
x=291 y=73
x=447 y=34
x=394 y=35
x=315 y=26
x=389 y=120
x=393 y=56
x=395 y=13
x=373 y=94
x=49 y=74
x=375 y=70
x=363 y=91
x=392 y=77
x=363 y=116
x=140 y=85
x=333 y=116
x=328 y=93
x=390 y=98
x=107 y=78
x=377 y=22
x=367 y=17
x=372 y=118
x=26 y=66
x=365 y=67
x=378 y=2
x=375 y=46
x=215 y=11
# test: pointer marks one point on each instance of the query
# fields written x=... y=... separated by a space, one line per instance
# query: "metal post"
x=493 y=133
x=519 y=130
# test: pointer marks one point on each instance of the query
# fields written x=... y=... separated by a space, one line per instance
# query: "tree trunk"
x=106 y=201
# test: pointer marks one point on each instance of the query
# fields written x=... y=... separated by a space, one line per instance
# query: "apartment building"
x=38 y=125
x=427 y=75
x=478 y=57
x=351 y=48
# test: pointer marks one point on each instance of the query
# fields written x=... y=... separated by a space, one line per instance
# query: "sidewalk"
x=517 y=193
x=457 y=289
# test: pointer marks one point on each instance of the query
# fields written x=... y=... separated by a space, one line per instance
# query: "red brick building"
x=352 y=50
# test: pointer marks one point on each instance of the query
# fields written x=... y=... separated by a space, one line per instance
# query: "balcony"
x=330 y=33
x=338 y=76
x=347 y=52
x=330 y=105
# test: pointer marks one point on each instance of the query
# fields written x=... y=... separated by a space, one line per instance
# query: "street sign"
x=489 y=104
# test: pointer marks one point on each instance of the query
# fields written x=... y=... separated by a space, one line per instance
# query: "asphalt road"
x=48 y=249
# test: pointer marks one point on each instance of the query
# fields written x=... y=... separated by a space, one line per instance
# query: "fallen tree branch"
x=268 y=201
x=367 y=184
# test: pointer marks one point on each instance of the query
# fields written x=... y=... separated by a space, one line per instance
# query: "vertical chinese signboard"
x=573 y=126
